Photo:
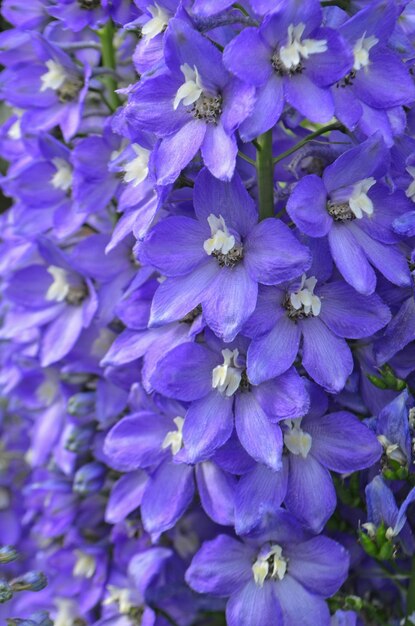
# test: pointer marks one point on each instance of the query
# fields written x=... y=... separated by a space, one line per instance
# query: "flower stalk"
x=265 y=175
x=106 y=35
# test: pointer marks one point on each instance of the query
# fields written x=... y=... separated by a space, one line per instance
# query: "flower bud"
x=40 y=618
x=8 y=554
x=6 y=592
x=31 y=581
x=89 y=478
x=81 y=404
x=79 y=439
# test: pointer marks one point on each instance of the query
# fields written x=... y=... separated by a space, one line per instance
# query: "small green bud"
x=377 y=382
x=8 y=554
x=31 y=581
x=386 y=551
x=368 y=544
x=6 y=592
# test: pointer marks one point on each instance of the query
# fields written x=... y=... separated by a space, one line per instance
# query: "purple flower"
x=213 y=378
x=49 y=86
x=279 y=574
x=354 y=211
x=313 y=445
x=218 y=259
x=151 y=25
x=289 y=58
x=322 y=315
x=382 y=509
x=192 y=104
x=361 y=97
x=78 y=14
x=393 y=429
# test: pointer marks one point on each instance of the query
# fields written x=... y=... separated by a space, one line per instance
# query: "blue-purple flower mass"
x=207 y=313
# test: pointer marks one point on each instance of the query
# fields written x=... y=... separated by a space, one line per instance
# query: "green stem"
x=106 y=35
x=163 y=613
x=265 y=175
x=310 y=137
x=410 y=598
x=240 y=8
x=246 y=158
x=343 y=4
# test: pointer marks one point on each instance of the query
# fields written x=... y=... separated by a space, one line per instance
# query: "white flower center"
x=361 y=51
x=136 y=171
x=410 y=192
x=226 y=378
x=47 y=391
x=158 y=22
x=191 y=89
x=174 y=438
x=297 y=440
x=85 y=565
x=62 y=178
x=15 y=130
x=59 y=289
x=359 y=201
x=269 y=564
x=392 y=450
x=221 y=240
x=291 y=54
x=119 y=596
x=304 y=299
x=66 y=612
x=54 y=77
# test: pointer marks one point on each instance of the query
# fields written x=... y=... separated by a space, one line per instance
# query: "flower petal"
x=273 y=354
x=221 y=567
x=342 y=443
x=326 y=358
x=311 y=496
x=168 y=494
x=260 y=438
x=207 y=426
x=261 y=260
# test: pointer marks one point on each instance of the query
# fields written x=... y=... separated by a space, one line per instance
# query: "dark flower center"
x=207 y=108
x=294 y=314
x=76 y=295
x=231 y=258
x=244 y=385
x=340 y=212
x=192 y=315
x=347 y=80
x=89 y=4
x=70 y=89
x=281 y=69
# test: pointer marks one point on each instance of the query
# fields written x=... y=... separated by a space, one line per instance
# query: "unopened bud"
x=89 y=478
x=8 y=554
x=81 y=404
x=31 y=581
x=6 y=592
x=79 y=439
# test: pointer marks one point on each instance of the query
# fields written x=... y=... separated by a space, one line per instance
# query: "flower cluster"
x=207 y=312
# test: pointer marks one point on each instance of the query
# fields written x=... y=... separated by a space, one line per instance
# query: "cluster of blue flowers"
x=207 y=313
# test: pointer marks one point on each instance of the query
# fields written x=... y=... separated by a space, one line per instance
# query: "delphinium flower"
x=207 y=312
x=194 y=104
x=289 y=58
x=222 y=397
x=361 y=98
x=218 y=259
x=278 y=574
x=355 y=212
x=313 y=444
